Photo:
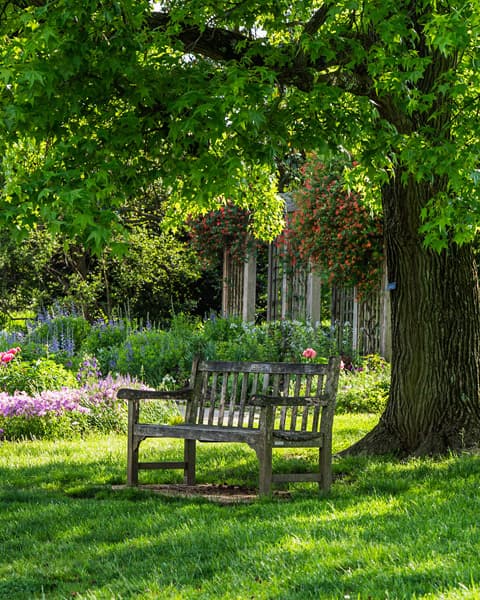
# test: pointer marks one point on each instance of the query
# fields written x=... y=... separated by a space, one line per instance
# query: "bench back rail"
x=234 y=394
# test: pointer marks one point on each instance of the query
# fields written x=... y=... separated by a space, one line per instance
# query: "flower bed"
x=69 y=412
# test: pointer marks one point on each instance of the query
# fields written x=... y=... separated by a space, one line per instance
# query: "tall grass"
x=388 y=529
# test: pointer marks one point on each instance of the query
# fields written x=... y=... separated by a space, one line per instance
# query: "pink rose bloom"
x=7 y=357
x=309 y=353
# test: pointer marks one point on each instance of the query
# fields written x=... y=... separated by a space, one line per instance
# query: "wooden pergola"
x=296 y=294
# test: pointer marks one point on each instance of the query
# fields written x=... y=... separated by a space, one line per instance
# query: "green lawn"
x=388 y=529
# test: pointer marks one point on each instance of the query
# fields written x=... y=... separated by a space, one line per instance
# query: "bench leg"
x=264 y=454
x=189 y=456
x=325 y=463
x=133 y=443
x=132 y=461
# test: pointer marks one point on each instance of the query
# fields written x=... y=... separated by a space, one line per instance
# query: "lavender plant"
x=71 y=411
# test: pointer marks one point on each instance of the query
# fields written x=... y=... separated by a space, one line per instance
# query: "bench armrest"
x=265 y=400
x=135 y=394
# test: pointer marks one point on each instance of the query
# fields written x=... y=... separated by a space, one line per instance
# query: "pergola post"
x=249 y=287
x=314 y=294
x=225 y=283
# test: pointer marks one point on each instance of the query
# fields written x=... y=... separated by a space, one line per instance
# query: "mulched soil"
x=222 y=493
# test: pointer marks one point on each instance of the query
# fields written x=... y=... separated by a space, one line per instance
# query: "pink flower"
x=7 y=357
x=309 y=353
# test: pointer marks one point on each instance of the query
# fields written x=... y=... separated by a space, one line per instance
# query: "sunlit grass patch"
x=389 y=528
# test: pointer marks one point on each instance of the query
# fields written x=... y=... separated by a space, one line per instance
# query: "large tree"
x=101 y=98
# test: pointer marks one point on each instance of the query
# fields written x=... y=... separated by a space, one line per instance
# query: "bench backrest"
x=228 y=394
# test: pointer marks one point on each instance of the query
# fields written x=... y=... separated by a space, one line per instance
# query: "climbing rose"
x=309 y=353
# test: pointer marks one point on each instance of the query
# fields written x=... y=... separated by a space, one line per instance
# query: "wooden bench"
x=265 y=405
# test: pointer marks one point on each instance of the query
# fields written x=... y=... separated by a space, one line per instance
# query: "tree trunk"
x=434 y=398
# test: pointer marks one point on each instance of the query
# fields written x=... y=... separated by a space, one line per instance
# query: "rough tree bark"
x=434 y=398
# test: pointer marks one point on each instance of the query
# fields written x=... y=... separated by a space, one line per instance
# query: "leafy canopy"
x=99 y=99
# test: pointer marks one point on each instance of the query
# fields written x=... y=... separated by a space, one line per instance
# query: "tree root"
x=381 y=440
x=376 y=442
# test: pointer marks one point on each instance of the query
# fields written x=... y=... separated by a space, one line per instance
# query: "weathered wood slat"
x=205 y=433
x=161 y=465
x=295 y=477
x=243 y=400
x=134 y=394
x=222 y=400
x=286 y=393
x=251 y=410
x=264 y=400
x=200 y=409
x=213 y=395
x=306 y=412
x=293 y=416
x=259 y=367
x=297 y=436
x=233 y=397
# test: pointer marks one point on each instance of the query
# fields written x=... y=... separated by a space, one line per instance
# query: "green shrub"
x=246 y=342
x=291 y=338
x=32 y=377
x=48 y=426
x=33 y=350
x=104 y=341
x=150 y=355
x=282 y=341
x=364 y=389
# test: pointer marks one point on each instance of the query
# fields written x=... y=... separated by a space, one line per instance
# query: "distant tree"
x=157 y=278
x=158 y=275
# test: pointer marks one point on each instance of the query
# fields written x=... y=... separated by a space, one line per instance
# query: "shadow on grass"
x=388 y=529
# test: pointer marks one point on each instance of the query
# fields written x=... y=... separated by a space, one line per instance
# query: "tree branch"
x=225 y=45
x=317 y=20
x=211 y=42
x=293 y=66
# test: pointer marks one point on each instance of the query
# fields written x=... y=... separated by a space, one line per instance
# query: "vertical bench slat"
x=233 y=399
x=213 y=395
x=265 y=382
x=243 y=400
x=296 y=392
x=222 y=399
x=316 y=411
x=276 y=386
x=283 y=410
x=202 y=399
x=252 y=392
x=306 y=411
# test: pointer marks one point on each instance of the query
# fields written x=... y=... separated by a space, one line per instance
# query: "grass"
x=389 y=529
